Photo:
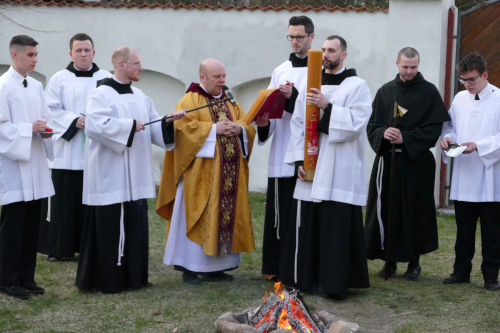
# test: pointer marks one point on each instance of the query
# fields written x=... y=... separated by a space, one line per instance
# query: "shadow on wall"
x=40 y=77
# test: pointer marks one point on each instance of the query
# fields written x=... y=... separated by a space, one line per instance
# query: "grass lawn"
x=395 y=305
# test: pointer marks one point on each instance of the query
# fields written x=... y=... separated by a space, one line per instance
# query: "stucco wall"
x=250 y=43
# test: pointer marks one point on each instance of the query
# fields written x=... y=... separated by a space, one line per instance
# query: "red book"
x=268 y=101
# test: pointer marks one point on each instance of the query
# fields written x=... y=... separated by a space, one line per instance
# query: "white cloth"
x=182 y=251
x=340 y=170
x=476 y=176
x=67 y=97
x=281 y=127
x=115 y=173
x=24 y=171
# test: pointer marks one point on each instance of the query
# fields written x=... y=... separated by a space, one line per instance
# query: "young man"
x=67 y=93
x=118 y=179
x=24 y=173
x=330 y=254
x=475 y=184
x=204 y=185
x=290 y=77
x=401 y=213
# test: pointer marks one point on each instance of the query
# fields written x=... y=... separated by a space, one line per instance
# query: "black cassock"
x=414 y=227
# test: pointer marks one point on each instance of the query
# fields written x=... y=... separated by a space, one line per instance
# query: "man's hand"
x=301 y=172
x=176 y=115
x=286 y=89
x=471 y=147
x=80 y=123
x=445 y=143
x=393 y=135
x=263 y=120
x=139 y=126
x=39 y=126
x=317 y=98
x=228 y=128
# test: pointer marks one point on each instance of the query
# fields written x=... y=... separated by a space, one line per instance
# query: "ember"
x=284 y=309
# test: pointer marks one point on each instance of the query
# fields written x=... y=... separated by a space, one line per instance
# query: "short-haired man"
x=24 y=171
x=330 y=255
x=290 y=77
x=204 y=185
x=401 y=213
x=475 y=182
x=118 y=178
x=67 y=93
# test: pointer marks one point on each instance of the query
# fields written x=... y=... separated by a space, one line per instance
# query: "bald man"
x=118 y=178
x=206 y=196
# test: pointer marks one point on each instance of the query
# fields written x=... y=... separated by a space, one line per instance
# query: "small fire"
x=286 y=313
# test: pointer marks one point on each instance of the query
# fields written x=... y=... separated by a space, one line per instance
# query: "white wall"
x=172 y=43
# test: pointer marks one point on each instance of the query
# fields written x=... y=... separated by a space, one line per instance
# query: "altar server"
x=24 y=171
x=118 y=178
x=67 y=93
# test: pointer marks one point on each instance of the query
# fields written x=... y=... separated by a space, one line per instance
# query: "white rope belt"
x=121 y=243
x=48 y=209
x=276 y=209
x=380 y=173
x=297 y=226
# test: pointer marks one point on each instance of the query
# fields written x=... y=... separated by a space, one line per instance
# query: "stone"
x=341 y=326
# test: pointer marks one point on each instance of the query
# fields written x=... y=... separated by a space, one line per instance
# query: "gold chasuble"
x=215 y=189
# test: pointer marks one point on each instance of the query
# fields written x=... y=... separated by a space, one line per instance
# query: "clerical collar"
x=78 y=73
x=121 y=88
x=416 y=80
x=337 y=78
x=198 y=88
x=297 y=62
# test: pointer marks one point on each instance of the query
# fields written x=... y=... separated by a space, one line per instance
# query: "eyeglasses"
x=469 y=80
x=298 y=38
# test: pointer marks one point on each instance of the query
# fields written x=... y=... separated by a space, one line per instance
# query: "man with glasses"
x=475 y=184
x=290 y=77
x=118 y=179
x=67 y=93
x=406 y=122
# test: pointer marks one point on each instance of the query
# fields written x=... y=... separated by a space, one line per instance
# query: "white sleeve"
x=295 y=149
x=448 y=131
x=15 y=138
x=208 y=148
x=61 y=117
x=349 y=118
x=103 y=125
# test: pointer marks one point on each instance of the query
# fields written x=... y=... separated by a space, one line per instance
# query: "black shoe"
x=491 y=285
x=413 y=272
x=15 y=291
x=190 y=278
x=456 y=278
x=148 y=285
x=32 y=288
x=389 y=270
x=216 y=276
x=53 y=259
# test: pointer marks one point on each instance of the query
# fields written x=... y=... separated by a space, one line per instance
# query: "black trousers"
x=466 y=215
x=19 y=223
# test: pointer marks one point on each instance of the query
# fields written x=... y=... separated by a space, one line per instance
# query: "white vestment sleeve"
x=61 y=118
x=103 y=125
x=208 y=148
x=295 y=149
x=448 y=131
x=488 y=150
x=349 y=117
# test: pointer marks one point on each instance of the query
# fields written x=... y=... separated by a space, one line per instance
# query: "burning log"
x=284 y=310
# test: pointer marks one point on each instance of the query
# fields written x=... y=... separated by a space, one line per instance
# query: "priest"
x=330 y=256
x=118 y=178
x=408 y=113
x=204 y=185
x=67 y=93
x=290 y=77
